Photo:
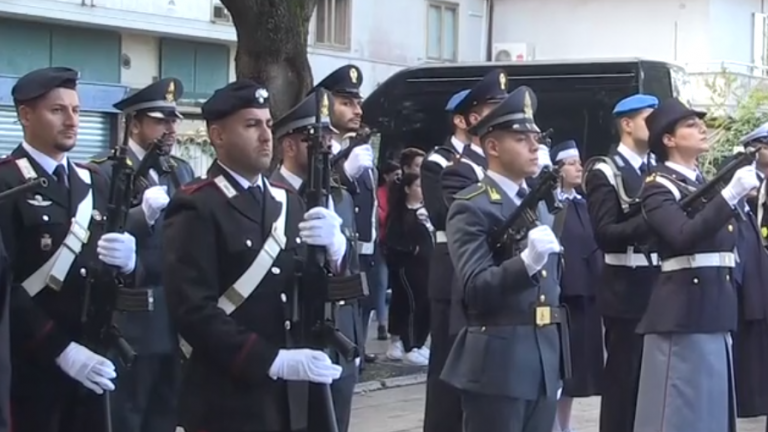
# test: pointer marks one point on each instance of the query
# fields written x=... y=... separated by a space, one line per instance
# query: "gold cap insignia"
x=170 y=94
x=353 y=75
x=325 y=106
x=764 y=232
x=528 y=105
x=503 y=81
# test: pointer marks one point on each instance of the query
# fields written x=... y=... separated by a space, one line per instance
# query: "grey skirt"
x=686 y=384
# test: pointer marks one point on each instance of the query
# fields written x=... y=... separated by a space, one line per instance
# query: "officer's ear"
x=490 y=144
x=669 y=140
x=460 y=122
x=24 y=114
x=215 y=134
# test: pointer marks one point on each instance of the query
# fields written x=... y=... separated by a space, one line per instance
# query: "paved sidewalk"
x=402 y=410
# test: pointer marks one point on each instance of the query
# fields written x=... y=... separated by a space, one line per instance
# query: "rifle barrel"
x=26 y=187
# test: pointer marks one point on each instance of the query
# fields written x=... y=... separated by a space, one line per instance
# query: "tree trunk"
x=272 y=47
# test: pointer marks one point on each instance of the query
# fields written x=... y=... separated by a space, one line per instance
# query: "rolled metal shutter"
x=92 y=136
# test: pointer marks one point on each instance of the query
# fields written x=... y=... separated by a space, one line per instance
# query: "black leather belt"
x=539 y=316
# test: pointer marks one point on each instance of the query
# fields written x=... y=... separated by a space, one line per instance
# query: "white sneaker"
x=414 y=358
x=424 y=352
x=395 y=350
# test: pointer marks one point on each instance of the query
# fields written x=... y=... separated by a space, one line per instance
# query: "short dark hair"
x=409 y=155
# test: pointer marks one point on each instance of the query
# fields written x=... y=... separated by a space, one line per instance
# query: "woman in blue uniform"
x=578 y=285
x=686 y=377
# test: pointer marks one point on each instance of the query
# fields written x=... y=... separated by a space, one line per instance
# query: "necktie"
x=643 y=168
x=699 y=178
x=521 y=193
x=61 y=175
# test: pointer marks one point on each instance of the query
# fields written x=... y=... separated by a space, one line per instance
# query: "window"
x=202 y=67
x=442 y=32
x=332 y=23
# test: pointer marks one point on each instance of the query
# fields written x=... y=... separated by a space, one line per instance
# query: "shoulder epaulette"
x=99 y=160
x=88 y=166
x=471 y=191
x=280 y=185
x=194 y=186
x=651 y=178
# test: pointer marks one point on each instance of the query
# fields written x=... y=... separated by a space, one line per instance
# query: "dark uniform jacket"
x=148 y=332
x=751 y=272
x=583 y=259
x=624 y=291
x=363 y=191
x=214 y=230
x=441 y=268
x=501 y=351
x=5 y=345
x=348 y=316
x=34 y=226
x=688 y=300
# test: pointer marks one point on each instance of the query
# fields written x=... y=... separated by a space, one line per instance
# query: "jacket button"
x=543 y=273
x=283 y=298
x=83 y=272
x=542 y=298
x=695 y=280
x=482 y=329
x=727 y=277
x=46 y=218
x=298 y=240
x=275 y=270
x=287 y=325
x=341 y=303
x=248 y=243
x=357 y=209
x=730 y=228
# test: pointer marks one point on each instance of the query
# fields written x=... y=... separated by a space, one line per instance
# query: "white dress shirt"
x=48 y=163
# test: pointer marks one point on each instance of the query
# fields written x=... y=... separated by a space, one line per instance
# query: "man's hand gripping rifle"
x=319 y=292
x=158 y=157
x=106 y=293
x=507 y=240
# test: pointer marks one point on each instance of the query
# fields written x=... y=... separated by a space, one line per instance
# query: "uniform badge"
x=503 y=81
x=170 y=94
x=96 y=215
x=39 y=201
x=764 y=232
x=353 y=75
x=325 y=106
x=494 y=194
x=528 y=105
x=261 y=95
x=46 y=243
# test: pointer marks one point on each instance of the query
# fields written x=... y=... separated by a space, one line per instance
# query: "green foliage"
x=739 y=105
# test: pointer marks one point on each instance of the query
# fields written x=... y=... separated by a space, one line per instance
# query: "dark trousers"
x=442 y=409
x=145 y=398
x=342 y=391
x=621 y=375
x=368 y=304
x=409 y=309
x=46 y=400
x=485 y=413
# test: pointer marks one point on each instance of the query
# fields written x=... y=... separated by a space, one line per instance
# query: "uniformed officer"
x=145 y=400
x=581 y=272
x=357 y=175
x=5 y=347
x=506 y=360
x=442 y=409
x=758 y=138
x=52 y=237
x=750 y=277
x=612 y=186
x=231 y=245
x=693 y=304
x=292 y=134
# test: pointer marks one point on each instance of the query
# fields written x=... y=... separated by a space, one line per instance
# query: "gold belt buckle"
x=543 y=316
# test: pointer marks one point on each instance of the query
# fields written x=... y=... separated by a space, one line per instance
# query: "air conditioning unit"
x=220 y=14
x=513 y=51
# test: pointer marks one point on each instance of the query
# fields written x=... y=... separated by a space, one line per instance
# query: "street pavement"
x=401 y=409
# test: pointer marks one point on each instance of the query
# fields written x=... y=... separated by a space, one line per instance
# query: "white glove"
x=743 y=182
x=541 y=243
x=357 y=361
x=153 y=202
x=304 y=365
x=559 y=392
x=119 y=250
x=359 y=160
x=544 y=159
x=322 y=227
x=90 y=369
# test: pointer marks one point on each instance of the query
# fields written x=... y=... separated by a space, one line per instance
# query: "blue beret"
x=635 y=103
x=759 y=134
x=239 y=95
x=564 y=150
x=456 y=99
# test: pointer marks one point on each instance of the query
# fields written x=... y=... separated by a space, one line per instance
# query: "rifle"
x=158 y=157
x=362 y=136
x=709 y=190
x=100 y=333
x=39 y=182
x=317 y=294
x=546 y=137
x=507 y=238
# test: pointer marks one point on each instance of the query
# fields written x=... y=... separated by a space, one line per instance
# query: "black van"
x=575 y=98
